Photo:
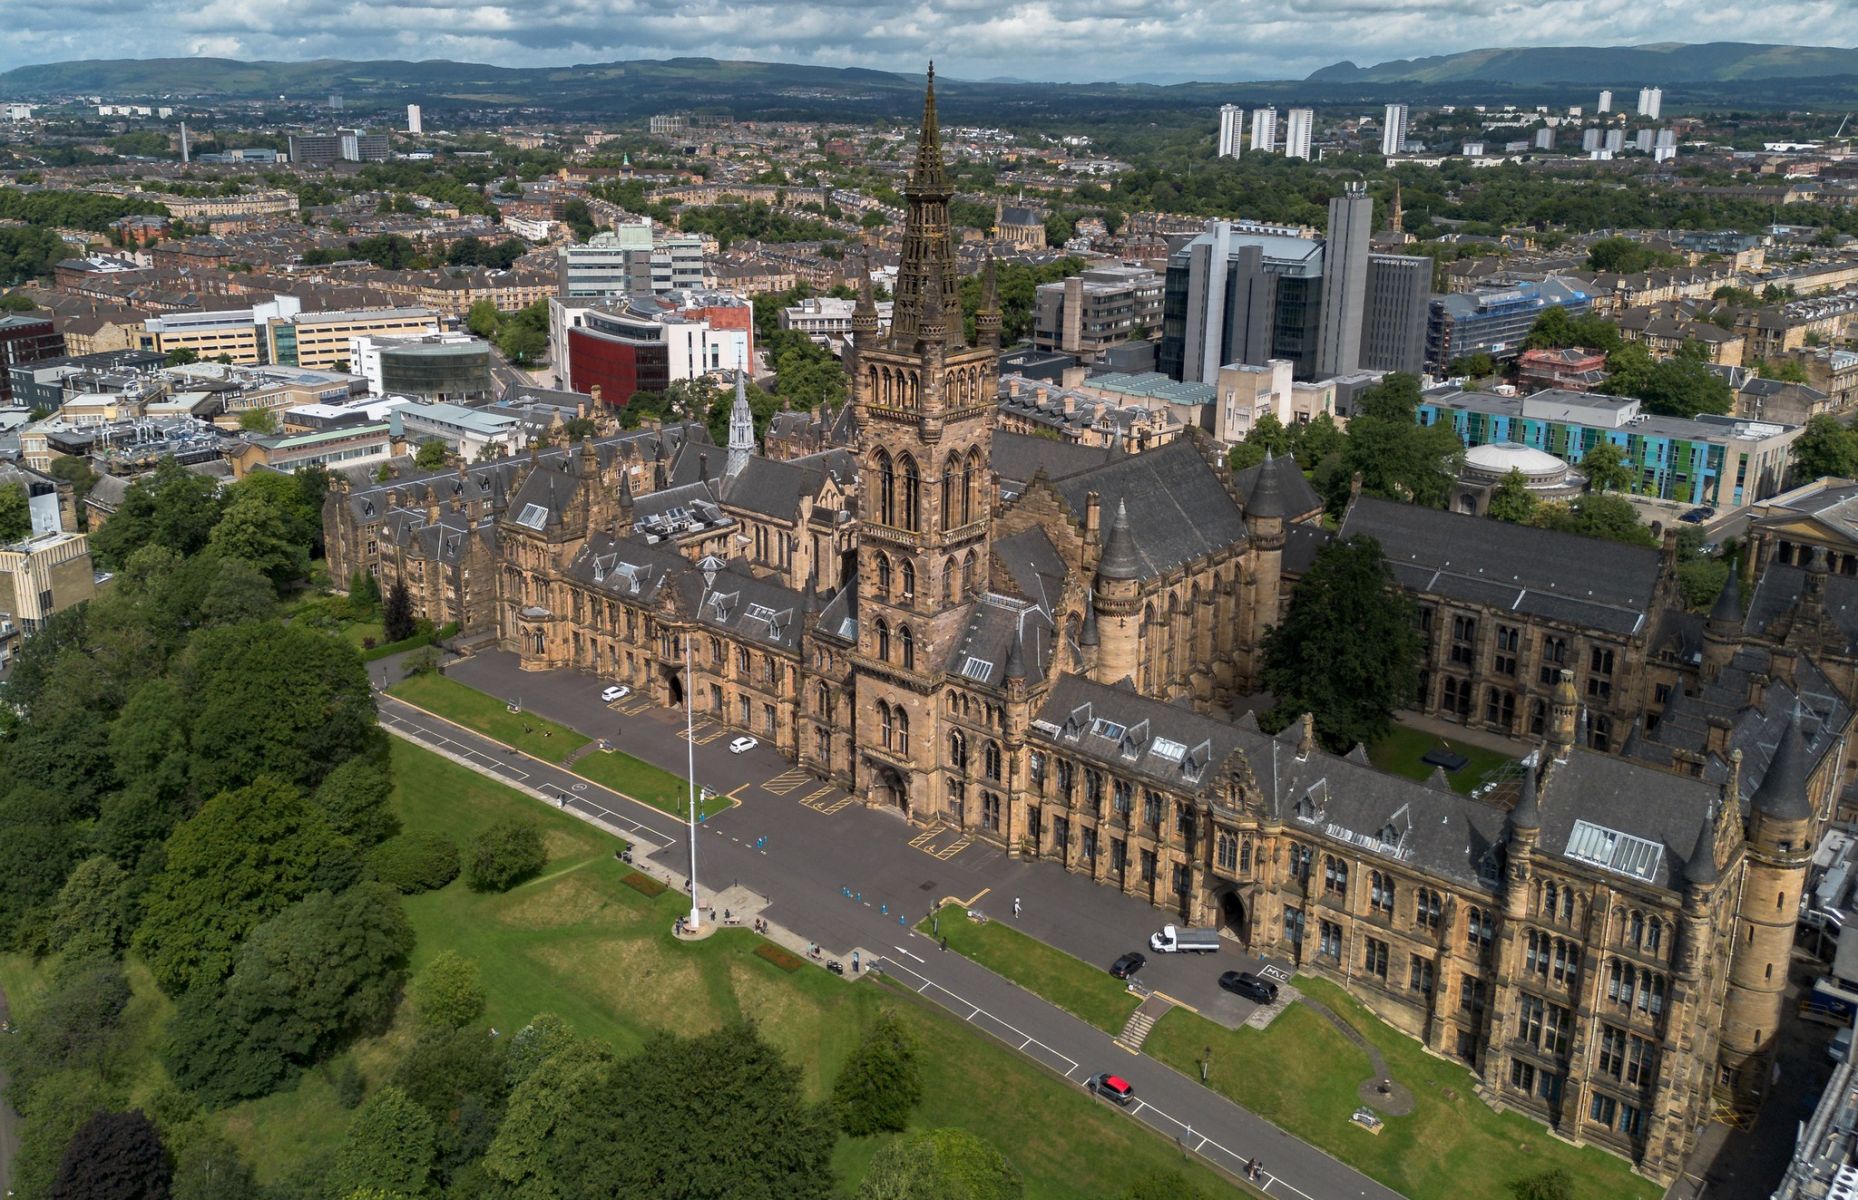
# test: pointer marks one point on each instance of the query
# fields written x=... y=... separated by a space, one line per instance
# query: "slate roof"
x=1295 y=493
x=774 y=487
x=1037 y=570
x=1779 y=588
x=1435 y=830
x=1178 y=508
x=980 y=654
x=1017 y=457
x=1754 y=730
x=1555 y=576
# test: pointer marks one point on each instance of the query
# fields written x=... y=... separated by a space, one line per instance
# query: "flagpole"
x=690 y=746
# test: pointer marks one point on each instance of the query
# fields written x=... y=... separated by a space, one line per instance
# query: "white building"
x=414 y=123
x=18 y=112
x=1297 y=131
x=1545 y=138
x=1231 y=129
x=827 y=320
x=1606 y=102
x=1590 y=138
x=1264 y=130
x=1393 y=129
x=629 y=261
x=1615 y=140
x=1642 y=140
x=1651 y=100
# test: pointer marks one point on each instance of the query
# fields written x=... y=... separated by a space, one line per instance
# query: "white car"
x=742 y=744
x=618 y=691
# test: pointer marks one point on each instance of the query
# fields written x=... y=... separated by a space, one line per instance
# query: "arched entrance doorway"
x=890 y=789
x=674 y=687
x=1229 y=912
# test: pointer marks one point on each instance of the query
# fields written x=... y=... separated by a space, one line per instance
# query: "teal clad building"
x=1720 y=462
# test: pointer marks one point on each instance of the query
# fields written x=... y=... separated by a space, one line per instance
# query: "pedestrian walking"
x=1016 y=908
x=1251 y=1169
x=854 y=962
x=945 y=943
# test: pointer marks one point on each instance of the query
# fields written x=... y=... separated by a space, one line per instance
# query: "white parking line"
x=978 y=1011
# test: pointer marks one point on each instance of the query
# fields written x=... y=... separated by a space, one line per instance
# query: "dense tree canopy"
x=941 y=1164
x=1348 y=650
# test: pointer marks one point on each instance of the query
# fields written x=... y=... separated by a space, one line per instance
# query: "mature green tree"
x=1318 y=440
x=881 y=1083
x=209 y=1168
x=237 y=592
x=389 y=1145
x=505 y=854
x=321 y=971
x=1474 y=366
x=1827 y=446
x=71 y=1027
x=171 y=506
x=258 y=420
x=941 y=1164
x=1606 y=468
x=267 y=700
x=67 y=468
x=545 y=1034
x=522 y=344
x=1787 y=370
x=59 y=1107
x=1596 y=516
x=1395 y=456
x=431 y=455
x=298 y=496
x=90 y=915
x=1683 y=386
x=114 y=1156
x=1552 y=1184
x=415 y=862
x=353 y=800
x=461 y=1078
x=1347 y=651
x=15 y=513
x=243 y=858
x=1512 y=500
x=550 y=1099
x=448 y=993
x=717 y=1115
x=1626 y=256
x=253 y=530
x=397 y=613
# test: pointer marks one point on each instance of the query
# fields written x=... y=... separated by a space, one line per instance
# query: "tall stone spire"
x=741 y=426
x=927 y=241
x=988 y=319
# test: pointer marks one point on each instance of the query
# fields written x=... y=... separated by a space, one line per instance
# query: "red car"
x=1111 y=1087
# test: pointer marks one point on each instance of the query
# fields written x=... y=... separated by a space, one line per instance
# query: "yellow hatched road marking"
x=787 y=781
x=836 y=805
x=811 y=800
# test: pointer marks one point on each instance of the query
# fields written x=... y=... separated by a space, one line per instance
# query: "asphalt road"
x=804 y=851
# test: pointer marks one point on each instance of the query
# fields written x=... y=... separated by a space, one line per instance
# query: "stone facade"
x=1036 y=643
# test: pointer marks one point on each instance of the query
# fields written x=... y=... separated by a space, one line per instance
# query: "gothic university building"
x=1043 y=643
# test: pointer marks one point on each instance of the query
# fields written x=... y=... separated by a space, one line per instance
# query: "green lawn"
x=1302 y=1075
x=1400 y=752
x=553 y=742
x=576 y=941
x=359 y=632
x=1084 y=990
x=642 y=781
x=489 y=716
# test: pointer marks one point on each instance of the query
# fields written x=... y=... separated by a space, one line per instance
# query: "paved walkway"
x=1507 y=746
x=851 y=880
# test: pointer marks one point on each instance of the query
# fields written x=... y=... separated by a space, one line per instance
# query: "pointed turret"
x=864 y=315
x=741 y=426
x=1726 y=614
x=1267 y=498
x=1120 y=559
x=1087 y=636
x=1016 y=656
x=1700 y=868
x=988 y=319
x=1526 y=817
x=932 y=326
x=929 y=172
x=1782 y=794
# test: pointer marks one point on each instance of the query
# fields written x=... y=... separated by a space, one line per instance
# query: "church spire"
x=927 y=241
x=741 y=426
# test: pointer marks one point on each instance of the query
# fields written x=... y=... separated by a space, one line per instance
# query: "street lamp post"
x=690 y=746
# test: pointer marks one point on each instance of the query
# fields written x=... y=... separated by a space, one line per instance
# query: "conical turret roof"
x=1120 y=559
x=1782 y=794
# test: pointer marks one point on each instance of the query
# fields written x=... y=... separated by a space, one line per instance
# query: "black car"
x=1248 y=985
x=1126 y=966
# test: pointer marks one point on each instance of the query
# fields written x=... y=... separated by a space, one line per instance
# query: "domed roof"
x=1500 y=458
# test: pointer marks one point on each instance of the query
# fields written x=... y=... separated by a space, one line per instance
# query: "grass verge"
x=489 y=716
x=1402 y=750
x=642 y=781
x=1302 y=1073
x=1085 y=991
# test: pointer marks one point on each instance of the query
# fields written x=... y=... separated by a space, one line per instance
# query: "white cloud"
x=1163 y=40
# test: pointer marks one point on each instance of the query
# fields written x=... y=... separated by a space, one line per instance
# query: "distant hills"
x=1717 y=73
x=1660 y=64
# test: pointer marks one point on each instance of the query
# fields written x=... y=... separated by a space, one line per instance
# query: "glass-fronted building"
x=455 y=370
x=1721 y=462
x=1493 y=321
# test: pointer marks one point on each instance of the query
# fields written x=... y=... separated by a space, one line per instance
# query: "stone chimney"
x=1093 y=515
x=1716 y=737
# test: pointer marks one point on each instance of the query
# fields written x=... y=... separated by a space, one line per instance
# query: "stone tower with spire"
x=741 y=426
x=1779 y=850
x=924 y=402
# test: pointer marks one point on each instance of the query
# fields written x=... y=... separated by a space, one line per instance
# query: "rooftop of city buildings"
x=1155 y=385
x=1605 y=412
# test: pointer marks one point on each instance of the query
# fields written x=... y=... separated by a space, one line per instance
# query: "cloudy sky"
x=1159 y=40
